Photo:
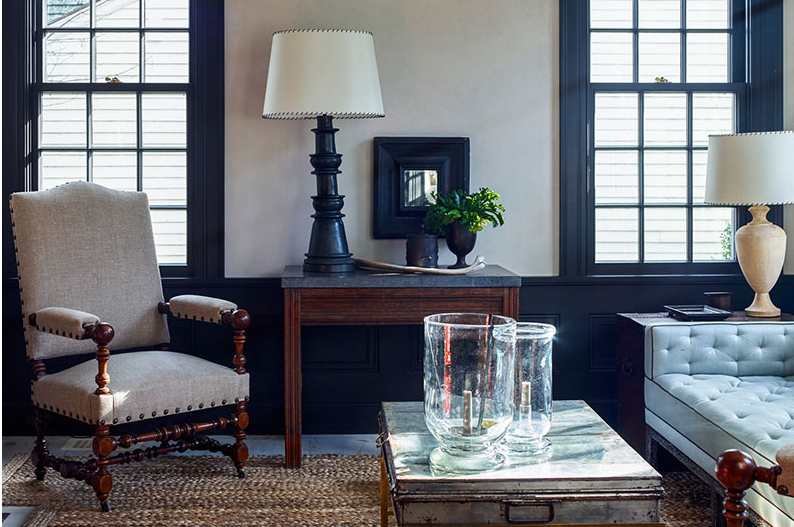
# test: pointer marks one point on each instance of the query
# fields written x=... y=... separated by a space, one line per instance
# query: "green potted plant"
x=460 y=216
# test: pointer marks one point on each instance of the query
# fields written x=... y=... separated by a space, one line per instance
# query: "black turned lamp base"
x=328 y=252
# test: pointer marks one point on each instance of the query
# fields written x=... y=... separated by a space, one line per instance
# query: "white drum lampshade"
x=755 y=169
x=322 y=72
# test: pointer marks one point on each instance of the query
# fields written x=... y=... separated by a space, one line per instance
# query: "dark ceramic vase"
x=460 y=241
x=421 y=250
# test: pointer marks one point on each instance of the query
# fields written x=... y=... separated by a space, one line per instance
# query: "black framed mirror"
x=407 y=170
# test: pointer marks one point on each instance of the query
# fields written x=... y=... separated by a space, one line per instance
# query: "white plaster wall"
x=788 y=103
x=483 y=69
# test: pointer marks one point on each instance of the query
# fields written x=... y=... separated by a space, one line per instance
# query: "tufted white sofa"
x=710 y=387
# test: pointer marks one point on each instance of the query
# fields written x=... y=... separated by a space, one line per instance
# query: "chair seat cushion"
x=144 y=385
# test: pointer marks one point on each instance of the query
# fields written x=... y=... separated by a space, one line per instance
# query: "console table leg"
x=384 y=495
x=292 y=378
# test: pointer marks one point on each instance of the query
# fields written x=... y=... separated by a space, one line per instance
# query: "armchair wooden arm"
x=737 y=472
x=77 y=325
x=199 y=308
x=238 y=319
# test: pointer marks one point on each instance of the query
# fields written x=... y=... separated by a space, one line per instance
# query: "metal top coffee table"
x=591 y=477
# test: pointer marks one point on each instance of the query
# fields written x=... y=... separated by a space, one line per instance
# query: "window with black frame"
x=663 y=76
x=113 y=89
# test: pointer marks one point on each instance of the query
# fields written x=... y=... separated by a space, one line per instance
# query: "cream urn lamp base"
x=761 y=250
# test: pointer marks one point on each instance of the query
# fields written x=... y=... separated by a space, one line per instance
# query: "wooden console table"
x=375 y=298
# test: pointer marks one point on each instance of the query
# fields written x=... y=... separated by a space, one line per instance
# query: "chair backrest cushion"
x=86 y=247
x=725 y=348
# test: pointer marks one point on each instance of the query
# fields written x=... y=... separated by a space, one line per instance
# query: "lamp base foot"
x=762 y=307
x=329 y=265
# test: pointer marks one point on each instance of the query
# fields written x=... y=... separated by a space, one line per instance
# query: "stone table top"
x=490 y=276
x=587 y=456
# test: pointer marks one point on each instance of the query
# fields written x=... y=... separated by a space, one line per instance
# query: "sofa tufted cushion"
x=723 y=348
x=713 y=413
x=757 y=411
x=144 y=384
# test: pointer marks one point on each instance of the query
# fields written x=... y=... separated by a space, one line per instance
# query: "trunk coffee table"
x=591 y=477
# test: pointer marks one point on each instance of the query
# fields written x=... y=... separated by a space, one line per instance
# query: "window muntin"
x=659 y=84
x=113 y=92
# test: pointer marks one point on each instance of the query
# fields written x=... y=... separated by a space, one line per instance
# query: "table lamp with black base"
x=322 y=74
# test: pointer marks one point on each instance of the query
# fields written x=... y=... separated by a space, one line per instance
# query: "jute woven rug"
x=191 y=491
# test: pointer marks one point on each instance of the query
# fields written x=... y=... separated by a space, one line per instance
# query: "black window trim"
x=762 y=109
x=205 y=138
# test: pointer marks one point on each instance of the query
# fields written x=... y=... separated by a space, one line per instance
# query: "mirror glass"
x=417 y=186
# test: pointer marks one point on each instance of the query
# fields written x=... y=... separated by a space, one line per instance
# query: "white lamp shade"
x=322 y=72
x=751 y=169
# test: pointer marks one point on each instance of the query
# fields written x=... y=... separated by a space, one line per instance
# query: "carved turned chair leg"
x=239 y=451
x=40 y=451
x=239 y=319
x=102 y=481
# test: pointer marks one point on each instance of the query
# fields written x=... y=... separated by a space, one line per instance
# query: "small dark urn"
x=421 y=250
x=460 y=241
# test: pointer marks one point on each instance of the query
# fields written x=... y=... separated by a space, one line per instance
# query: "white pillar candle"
x=467 y=412
x=526 y=405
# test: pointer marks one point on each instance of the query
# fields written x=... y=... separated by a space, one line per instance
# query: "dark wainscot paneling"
x=349 y=370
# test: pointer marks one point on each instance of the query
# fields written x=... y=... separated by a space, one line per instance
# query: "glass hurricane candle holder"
x=468 y=381
x=531 y=391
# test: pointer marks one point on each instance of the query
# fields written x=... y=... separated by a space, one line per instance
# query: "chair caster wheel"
x=241 y=473
x=104 y=506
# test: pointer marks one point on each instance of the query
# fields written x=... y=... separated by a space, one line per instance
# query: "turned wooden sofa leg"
x=239 y=450
x=102 y=481
x=40 y=451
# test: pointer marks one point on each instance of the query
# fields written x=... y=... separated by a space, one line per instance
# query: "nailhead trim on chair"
x=188 y=317
x=54 y=331
x=129 y=417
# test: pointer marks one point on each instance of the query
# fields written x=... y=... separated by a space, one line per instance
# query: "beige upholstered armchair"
x=89 y=281
x=737 y=472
